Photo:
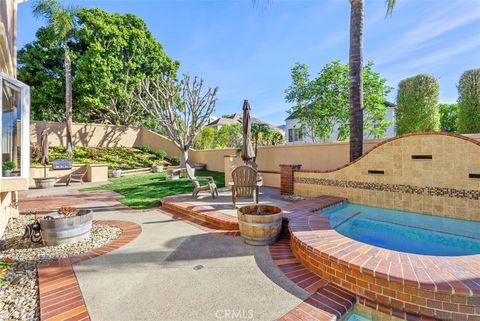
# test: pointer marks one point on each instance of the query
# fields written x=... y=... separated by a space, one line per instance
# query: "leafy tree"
x=41 y=67
x=323 y=102
x=62 y=25
x=205 y=138
x=229 y=136
x=111 y=53
x=259 y=132
x=316 y=122
x=119 y=52
x=182 y=109
x=275 y=138
x=417 y=105
x=469 y=101
x=449 y=118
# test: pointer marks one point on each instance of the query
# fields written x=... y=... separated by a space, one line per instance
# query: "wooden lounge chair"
x=245 y=183
x=76 y=177
x=211 y=186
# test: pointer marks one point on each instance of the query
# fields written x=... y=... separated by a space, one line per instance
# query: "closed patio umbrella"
x=247 y=149
x=44 y=151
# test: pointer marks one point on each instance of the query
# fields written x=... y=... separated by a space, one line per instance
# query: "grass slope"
x=146 y=191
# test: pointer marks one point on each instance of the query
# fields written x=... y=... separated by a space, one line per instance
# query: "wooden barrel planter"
x=260 y=224
x=63 y=230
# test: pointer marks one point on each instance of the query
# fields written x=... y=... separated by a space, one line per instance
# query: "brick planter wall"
x=396 y=283
x=286 y=178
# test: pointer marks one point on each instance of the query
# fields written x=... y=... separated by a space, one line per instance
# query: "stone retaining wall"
x=432 y=173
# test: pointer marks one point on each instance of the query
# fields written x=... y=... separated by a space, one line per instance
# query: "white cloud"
x=428 y=32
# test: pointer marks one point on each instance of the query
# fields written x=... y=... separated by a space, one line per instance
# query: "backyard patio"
x=133 y=190
x=188 y=249
x=166 y=254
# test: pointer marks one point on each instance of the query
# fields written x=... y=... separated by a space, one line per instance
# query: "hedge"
x=469 y=102
x=417 y=105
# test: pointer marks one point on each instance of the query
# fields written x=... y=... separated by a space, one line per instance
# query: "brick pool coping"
x=59 y=291
x=201 y=213
x=396 y=282
x=404 y=285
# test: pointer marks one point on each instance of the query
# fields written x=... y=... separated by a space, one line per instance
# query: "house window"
x=295 y=135
x=15 y=108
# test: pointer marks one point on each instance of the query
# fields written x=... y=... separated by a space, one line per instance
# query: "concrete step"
x=136 y=171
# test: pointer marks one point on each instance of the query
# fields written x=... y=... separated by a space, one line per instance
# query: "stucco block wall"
x=93 y=135
x=157 y=141
x=439 y=186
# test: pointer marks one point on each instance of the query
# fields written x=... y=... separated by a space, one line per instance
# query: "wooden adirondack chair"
x=211 y=186
x=245 y=184
x=76 y=177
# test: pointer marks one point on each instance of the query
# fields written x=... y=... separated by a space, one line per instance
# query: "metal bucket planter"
x=117 y=173
x=64 y=230
x=157 y=169
x=260 y=224
x=45 y=182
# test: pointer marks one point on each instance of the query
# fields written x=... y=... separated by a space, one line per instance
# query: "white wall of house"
x=293 y=126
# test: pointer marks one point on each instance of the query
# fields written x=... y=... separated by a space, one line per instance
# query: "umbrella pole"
x=44 y=171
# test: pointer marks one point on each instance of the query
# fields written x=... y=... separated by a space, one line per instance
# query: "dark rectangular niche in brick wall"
x=422 y=157
x=376 y=172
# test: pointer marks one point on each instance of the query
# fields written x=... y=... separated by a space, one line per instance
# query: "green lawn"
x=146 y=191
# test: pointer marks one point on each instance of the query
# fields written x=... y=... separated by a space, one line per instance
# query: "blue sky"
x=248 y=50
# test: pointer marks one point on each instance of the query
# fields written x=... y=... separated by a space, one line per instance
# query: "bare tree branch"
x=181 y=109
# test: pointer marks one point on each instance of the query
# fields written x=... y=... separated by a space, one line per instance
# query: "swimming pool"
x=406 y=231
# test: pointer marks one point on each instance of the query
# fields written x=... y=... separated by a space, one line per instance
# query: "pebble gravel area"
x=19 y=298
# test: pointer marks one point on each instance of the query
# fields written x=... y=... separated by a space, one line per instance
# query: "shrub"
x=449 y=118
x=144 y=148
x=161 y=153
x=93 y=153
x=469 y=102
x=175 y=160
x=8 y=165
x=417 y=105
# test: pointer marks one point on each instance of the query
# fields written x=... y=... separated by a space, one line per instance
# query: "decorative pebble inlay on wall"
x=398 y=188
x=430 y=173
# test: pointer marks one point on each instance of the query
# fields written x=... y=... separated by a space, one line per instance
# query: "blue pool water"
x=357 y=317
x=405 y=231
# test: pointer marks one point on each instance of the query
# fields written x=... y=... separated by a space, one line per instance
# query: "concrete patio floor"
x=175 y=271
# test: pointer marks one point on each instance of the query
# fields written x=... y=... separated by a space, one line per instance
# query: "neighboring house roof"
x=237 y=119
x=386 y=103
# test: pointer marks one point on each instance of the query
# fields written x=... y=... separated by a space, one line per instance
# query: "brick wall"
x=286 y=178
x=431 y=173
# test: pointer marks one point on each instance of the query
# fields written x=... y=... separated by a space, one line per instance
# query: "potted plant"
x=116 y=171
x=67 y=225
x=7 y=168
x=157 y=166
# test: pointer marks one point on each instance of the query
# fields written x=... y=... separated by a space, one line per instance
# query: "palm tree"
x=259 y=131
x=355 y=63
x=62 y=21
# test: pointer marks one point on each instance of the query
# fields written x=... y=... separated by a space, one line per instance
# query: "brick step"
x=326 y=301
